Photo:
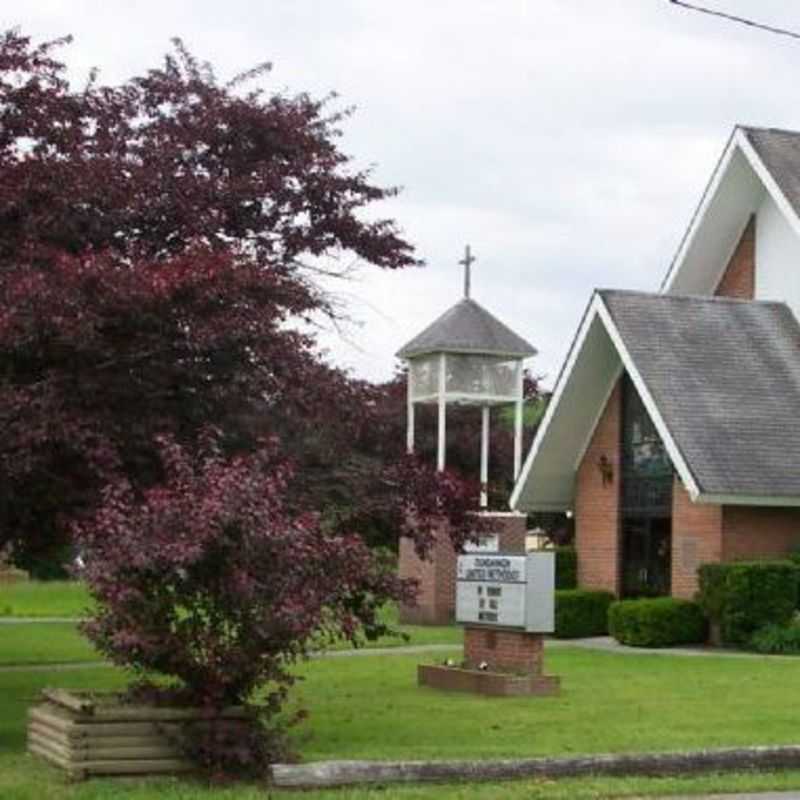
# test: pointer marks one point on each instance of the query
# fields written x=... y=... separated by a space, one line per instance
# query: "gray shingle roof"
x=780 y=152
x=725 y=376
x=467 y=327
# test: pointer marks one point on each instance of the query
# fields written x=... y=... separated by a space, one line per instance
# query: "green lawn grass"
x=370 y=708
x=44 y=643
x=25 y=778
x=44 y=599
x=60 y=642
x=70 y=599
x=57 y=643
x=414 y=634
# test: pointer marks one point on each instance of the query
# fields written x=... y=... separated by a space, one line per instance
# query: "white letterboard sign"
x=506 y=591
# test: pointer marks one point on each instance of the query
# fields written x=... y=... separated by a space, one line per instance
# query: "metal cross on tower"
x=467 y=261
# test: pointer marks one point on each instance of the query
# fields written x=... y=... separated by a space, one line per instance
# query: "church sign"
x=507 y=591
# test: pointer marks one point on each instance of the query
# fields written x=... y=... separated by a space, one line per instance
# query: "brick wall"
x=597 y=503
x=445 y=578
x=696 y=539
x=436 y=575
x=504 y=650
x=753 y=532
x=739 y=278
x=424 y=572
x=705 y=533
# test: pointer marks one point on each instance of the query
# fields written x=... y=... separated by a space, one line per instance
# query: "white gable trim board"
x=749 y=500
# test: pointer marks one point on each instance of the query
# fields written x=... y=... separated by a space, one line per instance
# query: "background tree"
x=351 y=471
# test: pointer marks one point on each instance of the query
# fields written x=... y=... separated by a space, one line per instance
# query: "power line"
x=733 y=18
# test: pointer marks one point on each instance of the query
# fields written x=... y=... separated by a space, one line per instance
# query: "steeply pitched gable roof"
x=725 y=376
x=757 y=163
x=720 y=378
x=468 y=327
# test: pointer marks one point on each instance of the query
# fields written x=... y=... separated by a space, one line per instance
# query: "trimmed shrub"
x=566 y=568
x=777 y=639
x=581 y=613
x=656 y=622
x=740 y=598
x=757 y=593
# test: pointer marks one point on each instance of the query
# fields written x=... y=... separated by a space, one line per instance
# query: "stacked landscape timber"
x=86 y=734
x=12 y=575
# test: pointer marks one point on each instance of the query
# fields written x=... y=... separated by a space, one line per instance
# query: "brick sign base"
x=493 y=684
x=501 y=663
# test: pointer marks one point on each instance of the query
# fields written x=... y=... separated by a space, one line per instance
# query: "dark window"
x=646 y=501
x=646 y=468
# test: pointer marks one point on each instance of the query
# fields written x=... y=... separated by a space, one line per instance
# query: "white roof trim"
x=469 y=351
x=678 y=461
x=555 y=399
x=749 y=500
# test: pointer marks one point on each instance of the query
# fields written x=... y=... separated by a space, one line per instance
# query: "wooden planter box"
x=495 y=684
x=13 y=575
x=87 y=734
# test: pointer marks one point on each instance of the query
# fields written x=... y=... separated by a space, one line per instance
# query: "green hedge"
x=743 y=597
x=566 y=568
x=777 y=639
x=581 y=613
x=656 y=622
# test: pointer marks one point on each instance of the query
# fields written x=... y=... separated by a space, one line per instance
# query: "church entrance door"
x=646 y=556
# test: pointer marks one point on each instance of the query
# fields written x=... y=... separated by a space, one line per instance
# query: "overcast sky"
x=568 y=141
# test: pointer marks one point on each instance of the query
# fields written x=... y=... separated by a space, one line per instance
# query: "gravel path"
x=609 y=645
x=364 y=651
x=71 y=667
x=601 y=643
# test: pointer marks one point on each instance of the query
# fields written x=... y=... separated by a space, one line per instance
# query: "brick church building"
x=673 y=433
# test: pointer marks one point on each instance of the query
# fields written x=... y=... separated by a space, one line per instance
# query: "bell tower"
x=467 y=356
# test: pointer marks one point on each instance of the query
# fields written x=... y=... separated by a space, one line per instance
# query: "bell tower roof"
x=468 y=327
